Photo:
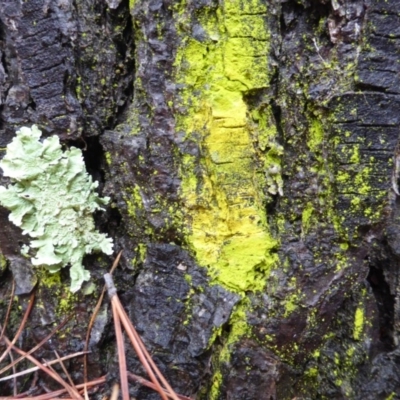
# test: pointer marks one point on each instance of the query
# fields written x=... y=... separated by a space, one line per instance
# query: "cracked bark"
x=119 y=81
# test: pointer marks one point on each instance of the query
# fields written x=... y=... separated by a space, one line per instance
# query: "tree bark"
x=250 y=150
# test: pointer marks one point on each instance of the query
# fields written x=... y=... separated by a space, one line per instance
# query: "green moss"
x=341 y=370
x=64 y=299
x=49 y=280
x=239 y=328
x=67 y=303
x=245 y=7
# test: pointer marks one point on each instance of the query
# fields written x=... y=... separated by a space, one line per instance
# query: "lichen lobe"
x=52 y=199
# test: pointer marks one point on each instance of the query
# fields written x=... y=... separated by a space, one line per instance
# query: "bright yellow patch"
x=222 y=199
x=358 y=323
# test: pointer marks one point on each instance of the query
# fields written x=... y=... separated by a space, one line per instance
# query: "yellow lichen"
x=229 y=233
x=239 y=328
x=306 y=218
x=358 y=323
x=108 y=158
x=3 y=262
x=316 y=135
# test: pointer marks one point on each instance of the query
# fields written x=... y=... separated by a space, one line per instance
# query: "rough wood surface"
x=250 y=149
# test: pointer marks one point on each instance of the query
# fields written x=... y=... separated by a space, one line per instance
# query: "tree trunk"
x=249 y=148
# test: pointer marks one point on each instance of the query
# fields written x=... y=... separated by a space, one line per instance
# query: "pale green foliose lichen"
x=52 y=198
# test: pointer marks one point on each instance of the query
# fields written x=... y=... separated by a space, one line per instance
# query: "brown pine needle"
x=143 y=355
x=121 y=354
x=115 y=392
x=145 y=382
x=64 y=369
x=137 y=343
x=112 y=293
x=70 y=389
x=33 y=369
x=40 y=344
x=116 y=262
x=145 y=352
x=93 y=318
x=53 y=395
x=21 y=327
x=158 y=382
x=171 y=392
x=138 y=348
x=8 y=310
x=47 y=370
x=14 y=378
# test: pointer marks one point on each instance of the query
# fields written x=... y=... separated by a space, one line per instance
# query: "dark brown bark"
x=109 y=77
